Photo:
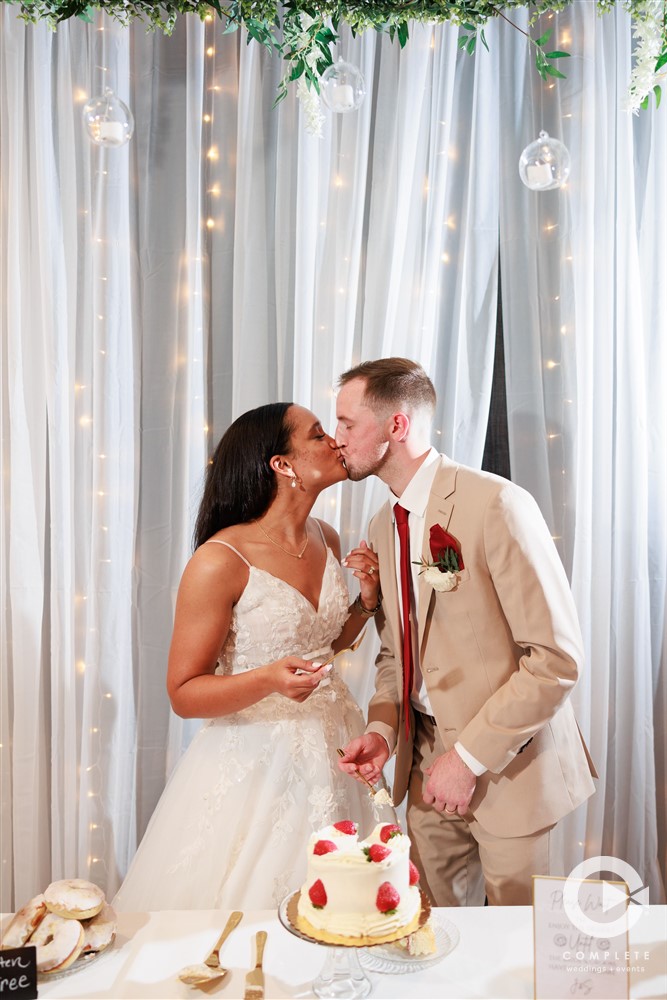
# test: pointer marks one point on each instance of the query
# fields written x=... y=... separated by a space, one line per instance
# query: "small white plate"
x=392 y=959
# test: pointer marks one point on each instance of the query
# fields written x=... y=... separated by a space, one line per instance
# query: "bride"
x=261 y=605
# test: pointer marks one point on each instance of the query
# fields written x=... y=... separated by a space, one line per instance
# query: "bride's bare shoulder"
x=218 y=557
x=330 y=537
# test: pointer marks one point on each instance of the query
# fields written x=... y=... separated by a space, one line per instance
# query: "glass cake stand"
x=342 y=975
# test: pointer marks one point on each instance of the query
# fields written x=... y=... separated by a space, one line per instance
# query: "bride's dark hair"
x=240 y=483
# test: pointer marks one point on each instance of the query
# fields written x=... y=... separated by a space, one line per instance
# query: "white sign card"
x=574 y=955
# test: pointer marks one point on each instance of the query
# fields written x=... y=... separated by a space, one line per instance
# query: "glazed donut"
x=75 y=898
x=99 y=931
x=58 y=941
x=24 y=923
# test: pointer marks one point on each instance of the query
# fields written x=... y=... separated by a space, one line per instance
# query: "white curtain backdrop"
x=226 y=258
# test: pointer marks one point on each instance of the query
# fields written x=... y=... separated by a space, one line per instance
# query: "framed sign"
x=580 y=932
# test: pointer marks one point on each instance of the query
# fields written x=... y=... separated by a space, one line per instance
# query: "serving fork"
x=341 y=753
x=348 y=649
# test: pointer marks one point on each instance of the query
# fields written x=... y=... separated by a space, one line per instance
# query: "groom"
x=473 y=695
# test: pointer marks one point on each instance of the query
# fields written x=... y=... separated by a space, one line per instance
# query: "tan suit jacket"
x=499 y=654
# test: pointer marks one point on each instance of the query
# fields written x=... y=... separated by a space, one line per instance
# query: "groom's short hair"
x=393 y=383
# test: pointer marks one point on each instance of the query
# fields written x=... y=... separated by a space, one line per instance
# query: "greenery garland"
x=303 y=32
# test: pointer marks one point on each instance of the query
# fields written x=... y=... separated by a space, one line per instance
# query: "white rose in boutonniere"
x=443 y=573
x=440 y=580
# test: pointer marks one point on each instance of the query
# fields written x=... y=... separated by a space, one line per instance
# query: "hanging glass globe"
x=108 y=120
x=544 y=164
x=342 y=87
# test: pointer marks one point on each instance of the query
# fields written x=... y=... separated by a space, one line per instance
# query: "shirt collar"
x=414 y=497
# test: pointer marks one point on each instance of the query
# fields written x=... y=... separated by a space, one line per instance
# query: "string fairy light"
x=91 y=398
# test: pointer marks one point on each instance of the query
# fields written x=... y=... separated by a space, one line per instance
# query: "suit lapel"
x=438 y=511
x=387 y=552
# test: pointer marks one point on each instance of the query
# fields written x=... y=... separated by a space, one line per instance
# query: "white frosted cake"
x=359 y=889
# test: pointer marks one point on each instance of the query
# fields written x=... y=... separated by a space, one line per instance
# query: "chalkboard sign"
x=18 y=973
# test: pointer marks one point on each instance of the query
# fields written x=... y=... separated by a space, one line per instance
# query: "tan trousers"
x=458 y=860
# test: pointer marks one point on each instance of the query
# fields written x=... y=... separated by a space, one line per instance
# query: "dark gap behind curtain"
x=496 y=456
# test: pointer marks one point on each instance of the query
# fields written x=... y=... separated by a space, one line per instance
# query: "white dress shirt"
x=415 y=499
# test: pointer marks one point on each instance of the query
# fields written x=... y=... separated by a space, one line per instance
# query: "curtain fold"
x=226 y=258
x=584 y=273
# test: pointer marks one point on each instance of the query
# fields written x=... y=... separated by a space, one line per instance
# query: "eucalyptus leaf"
x=552 y=71
x=278 y=26
x=296 y=70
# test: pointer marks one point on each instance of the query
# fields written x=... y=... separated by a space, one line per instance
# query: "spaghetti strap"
x=317 y=522
x=219 y=541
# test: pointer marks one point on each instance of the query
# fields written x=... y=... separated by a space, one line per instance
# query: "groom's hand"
x=367 y=755
x=450 y=785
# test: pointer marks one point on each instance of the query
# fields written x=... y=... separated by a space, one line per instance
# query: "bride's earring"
x=293 y=483
x=297 y=481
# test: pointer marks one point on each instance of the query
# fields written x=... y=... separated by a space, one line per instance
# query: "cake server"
x=254 y=980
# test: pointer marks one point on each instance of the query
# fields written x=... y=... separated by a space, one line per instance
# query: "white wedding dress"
x=231 y=828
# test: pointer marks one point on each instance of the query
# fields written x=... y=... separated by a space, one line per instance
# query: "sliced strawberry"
x=414 y=874
x=346 y=826
x=377 y=852
x=324 y=847
x=387 y=898
x=318 y=896
x=389 y=831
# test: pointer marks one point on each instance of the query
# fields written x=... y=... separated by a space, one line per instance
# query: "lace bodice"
x=272 y=619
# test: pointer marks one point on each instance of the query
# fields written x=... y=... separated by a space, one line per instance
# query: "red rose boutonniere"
x=442 y=573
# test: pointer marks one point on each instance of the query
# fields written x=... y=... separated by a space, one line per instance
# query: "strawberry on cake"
x=359 y=889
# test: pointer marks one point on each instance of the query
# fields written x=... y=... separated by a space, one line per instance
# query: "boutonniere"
x=443 y=573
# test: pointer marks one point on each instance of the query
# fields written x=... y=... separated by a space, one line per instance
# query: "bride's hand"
x=295 y=678
x=364 y=564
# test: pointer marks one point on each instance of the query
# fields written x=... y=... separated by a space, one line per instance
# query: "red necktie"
x=401 y=515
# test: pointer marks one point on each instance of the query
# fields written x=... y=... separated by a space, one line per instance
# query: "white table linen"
x=493 y=959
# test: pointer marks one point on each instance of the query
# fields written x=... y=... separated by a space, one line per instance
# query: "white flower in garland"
x=312 y=110
x=648 y=28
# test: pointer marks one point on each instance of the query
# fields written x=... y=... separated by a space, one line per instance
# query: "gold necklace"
x=295 y=555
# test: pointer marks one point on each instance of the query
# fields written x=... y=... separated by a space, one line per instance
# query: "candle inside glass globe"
x=544 y=164
x=108 y=120
x=342 y=87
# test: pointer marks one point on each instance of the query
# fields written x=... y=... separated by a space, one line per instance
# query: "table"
x=493 y=959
